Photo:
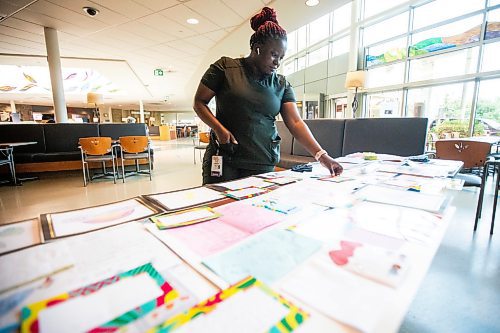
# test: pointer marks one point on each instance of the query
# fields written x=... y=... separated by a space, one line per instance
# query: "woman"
x=249 y=95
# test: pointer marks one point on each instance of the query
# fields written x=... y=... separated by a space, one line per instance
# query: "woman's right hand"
x=224 y=136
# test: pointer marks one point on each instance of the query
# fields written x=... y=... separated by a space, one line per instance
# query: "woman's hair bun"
x=266 y=14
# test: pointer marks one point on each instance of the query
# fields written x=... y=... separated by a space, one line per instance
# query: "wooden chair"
x=97 y=149
x=6 y=157
x=135 y=148
x=203 y=140
x=474 y=154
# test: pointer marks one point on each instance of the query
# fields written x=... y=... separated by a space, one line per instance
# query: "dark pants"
x=228 y=172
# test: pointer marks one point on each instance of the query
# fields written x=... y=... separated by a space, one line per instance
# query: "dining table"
x=8 y=151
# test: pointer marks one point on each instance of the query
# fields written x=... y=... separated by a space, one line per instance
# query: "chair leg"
x=84 y=169
x=194 y=155
x=123 y=167
x=495 y=202
x=114 y=170
x=149 y=164
x=480 y=200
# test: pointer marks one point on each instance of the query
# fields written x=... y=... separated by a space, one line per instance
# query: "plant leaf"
x=29 y=78
x=29 y=86
x=7 y=88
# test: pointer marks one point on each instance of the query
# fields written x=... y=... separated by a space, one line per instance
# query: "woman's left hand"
x=333 y=166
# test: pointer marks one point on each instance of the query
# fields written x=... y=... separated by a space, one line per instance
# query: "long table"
x=323 y=212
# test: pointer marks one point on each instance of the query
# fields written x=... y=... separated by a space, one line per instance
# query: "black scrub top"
x=247 y=108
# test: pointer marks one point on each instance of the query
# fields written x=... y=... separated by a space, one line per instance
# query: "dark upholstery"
x=286 y=138
x=64 y=137
x=117 y=130
x=57 y=157
x=22 y=133
x=328 y=132
x=397 y=136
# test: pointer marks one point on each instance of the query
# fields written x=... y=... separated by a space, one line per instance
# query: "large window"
x=448 y=108
x=444 y=65
x=488 y=108
x=441 y=10
x=319 y=29
x=437 y=59
x=385 y=104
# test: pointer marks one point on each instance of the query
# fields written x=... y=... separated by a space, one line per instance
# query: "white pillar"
x=54 y=60
x=353 y=53
x=141 y=112
x=110 y=114
x=12 y=107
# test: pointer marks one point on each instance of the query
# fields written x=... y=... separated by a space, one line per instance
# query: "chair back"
x=204 y=137
x=97 y=145
x=472 y=153
x=134 y=144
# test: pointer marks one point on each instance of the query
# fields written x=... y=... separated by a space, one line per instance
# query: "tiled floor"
x=461 y=292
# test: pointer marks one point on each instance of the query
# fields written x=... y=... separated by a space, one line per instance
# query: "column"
x=353 y=54
x=54 y=60
x=12 y=107
x=141 y=112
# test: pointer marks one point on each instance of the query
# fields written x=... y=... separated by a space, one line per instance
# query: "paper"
x=245 y=193
x=267 y=256
x=19 y=235
x=84 y=313
x=340 y=295
x=379 y=264
x=277 y=205
x=246 y=217
x=186 y=198
x=244 y=183
x=90 y=257
x=206 y=238
x=282 y=180
x=183 y=218
x=414 y=168
x=110 y=303
x=246 y=307
x=386 y=195
x=87 y=219
x=394 y=221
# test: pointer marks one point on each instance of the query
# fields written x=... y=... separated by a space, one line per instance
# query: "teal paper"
x=269 y=256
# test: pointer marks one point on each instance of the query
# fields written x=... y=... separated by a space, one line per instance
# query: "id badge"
x=216 y=170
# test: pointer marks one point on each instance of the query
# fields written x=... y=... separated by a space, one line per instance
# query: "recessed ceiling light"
x=312 y=3
x=192 y=21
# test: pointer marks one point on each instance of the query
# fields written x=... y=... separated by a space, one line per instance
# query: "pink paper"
x=248 y=218
x=207 y=238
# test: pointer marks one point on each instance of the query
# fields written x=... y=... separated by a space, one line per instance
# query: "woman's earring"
x=258 y=51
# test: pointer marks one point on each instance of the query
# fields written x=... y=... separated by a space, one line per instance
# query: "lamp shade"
x=355 y=79
x=94 y=98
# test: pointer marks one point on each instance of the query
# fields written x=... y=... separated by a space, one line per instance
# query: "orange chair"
x=203 y=140
x=97 y=149
x=135 y=148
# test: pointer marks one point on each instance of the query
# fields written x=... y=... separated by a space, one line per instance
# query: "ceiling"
x=126 y=41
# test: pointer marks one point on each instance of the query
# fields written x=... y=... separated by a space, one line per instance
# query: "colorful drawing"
x=294 y=317
x=92 y=218
x=30 y=314
x=435 y=44
x=379 y=264
x=185 y=218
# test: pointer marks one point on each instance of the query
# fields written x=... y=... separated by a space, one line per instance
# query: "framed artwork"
x=19 y=235
x=176 y=200
x=55 y=225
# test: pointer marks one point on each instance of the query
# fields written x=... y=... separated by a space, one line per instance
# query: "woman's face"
x=270 y=55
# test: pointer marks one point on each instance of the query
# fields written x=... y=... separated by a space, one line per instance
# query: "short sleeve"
x=289 y=94
x=214 y=76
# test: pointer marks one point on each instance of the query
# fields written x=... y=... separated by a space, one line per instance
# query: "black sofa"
x=341 y=137
x=58 y=143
